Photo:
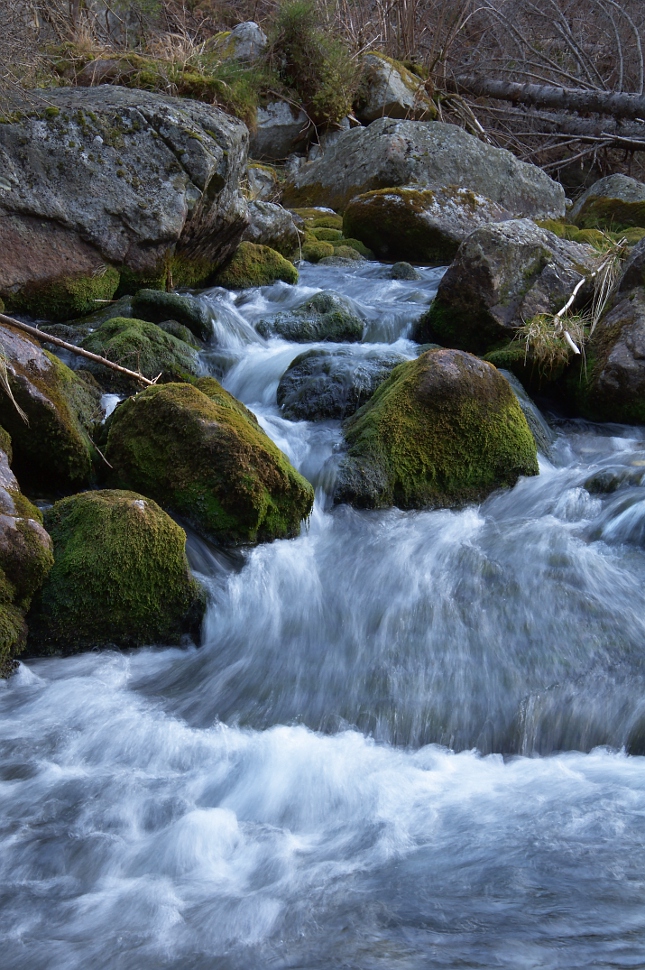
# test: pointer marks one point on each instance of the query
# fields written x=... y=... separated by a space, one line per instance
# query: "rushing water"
x=408 y=740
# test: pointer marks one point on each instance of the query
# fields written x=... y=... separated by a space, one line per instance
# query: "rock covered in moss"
x=120 y=577
x=403 y=271
x=53 y=451
x=201 y=454
x=25 y=559
x=271 y=225
x=326 y=316
x=503 y=274
x=428 y=154
x=313 y=250
x=322 y=384
x=139 y=346
x=156 y=306
x=106 y=181
x=255 y=266
x=615 y=202
x=425 y=225
x=444 y=429
x=390 y=90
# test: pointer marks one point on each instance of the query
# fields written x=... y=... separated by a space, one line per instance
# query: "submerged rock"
x=120 y=577
x=139 y=346
x=502 y=276
x=158 y=307
x=322 y=384
x=425 y=225
x=444 y=429
x=615 y=202
x=254 y=265
x=25 y=559
x=201 y=454
x=110 y=186
x=326 y=316
x=53 y=451
x=429 y=155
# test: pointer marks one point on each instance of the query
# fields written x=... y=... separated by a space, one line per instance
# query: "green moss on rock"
x=319 y=219
x=326 y=316
x=444 y=429
x=326 y=235
x=203 y=456
x=120 y=576
x=254 y=265
x=64 y=298
x=139 y=346
x=157 y=307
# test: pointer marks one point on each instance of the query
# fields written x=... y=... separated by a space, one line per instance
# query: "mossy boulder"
x=70 y=295
x=120 y=577
x=313 y=250
x=389 y=90
x=139 y=346
x=347 y=252
x=616 y=202
x=503 y=274
x=444 y=429
x=254 y=265
x=424 y=225
x=53 y=451
x=25 y=559
x=155 y=306
x=326 y=316
x=315 y=218
x=201 y=454
x=322 y=384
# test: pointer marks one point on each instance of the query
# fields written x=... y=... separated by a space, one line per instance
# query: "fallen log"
x=615 y=104
x=50 y=339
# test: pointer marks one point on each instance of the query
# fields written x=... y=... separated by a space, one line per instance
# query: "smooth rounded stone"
x=156 y=306
x=349 y=262
x=442 y=430
x=247 y=41
x=430 y=155
x=140 y=346
x=615 y=385
x=403 y=271
x=53 y=451
x=610 y=480
x=120 y=577
x=271 y=225
x=615 y=202
x=281 y=128
x=254 y=265
x=322 y=384
x=111 y=187
x=180 y=332
x=326 y=316
x=263 y=182
x=25 y=559
x=389 y=90
x=543 y=435
x=426 y=225
x=202 y=455
x=503 y=275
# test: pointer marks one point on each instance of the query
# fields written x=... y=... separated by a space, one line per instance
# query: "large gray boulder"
x=391 y=91
x=615 y=388
x=616 y=202
x=271 y=225
x=427 y=154
x=247 y=41
x=503 y=275
x=106 y=184
x=280 y=130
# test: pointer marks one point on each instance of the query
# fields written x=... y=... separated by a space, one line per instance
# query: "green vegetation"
x=120 y=576
x=64 y=298
x=140 y=346
x=253 y=265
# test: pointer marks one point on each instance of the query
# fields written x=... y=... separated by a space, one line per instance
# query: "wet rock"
x=25 y=559
x=155 y=306
x=202 y=455
x=610 y=480
x=113 y=187
x=426 y=225
x=389 y=90
x=271 y=225
x=615 y=388
x=502 y=276
x=542 y=433
x=430 y=155
x=120 y=577
x=53 y=451
x=403 y=271
x=281 y=129
x=444 y=429
x=254 y=265
x=615 y=203
x=321 y=384
x=326 y=316
x=139 y=346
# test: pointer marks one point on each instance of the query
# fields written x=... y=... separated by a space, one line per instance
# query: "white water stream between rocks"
x=408 y=740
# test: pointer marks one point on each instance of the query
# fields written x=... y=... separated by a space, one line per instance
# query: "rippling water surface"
x=408 y=740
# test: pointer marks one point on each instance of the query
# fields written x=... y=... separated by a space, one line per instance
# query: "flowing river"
x=408 y=740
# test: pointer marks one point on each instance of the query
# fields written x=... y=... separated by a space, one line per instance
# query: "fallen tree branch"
x=50 y=339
